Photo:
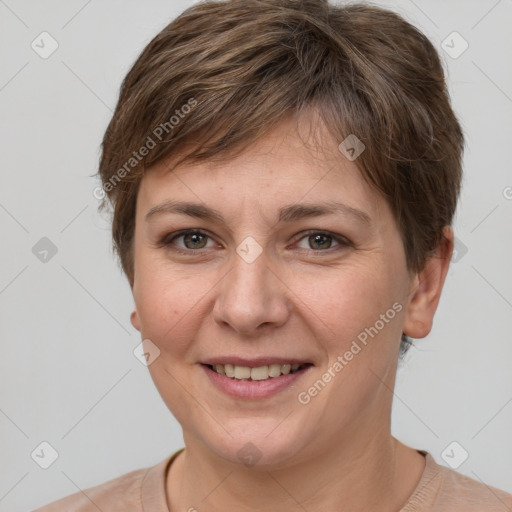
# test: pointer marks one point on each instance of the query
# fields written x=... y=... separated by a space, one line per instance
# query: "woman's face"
x=264 y=283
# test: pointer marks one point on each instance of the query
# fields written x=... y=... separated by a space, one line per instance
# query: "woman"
x=283 y=177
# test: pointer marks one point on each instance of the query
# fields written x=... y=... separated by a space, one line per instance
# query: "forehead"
x=295 y=162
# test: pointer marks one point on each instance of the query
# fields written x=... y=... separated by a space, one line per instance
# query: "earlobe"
x=426 y=289
x=134 y=319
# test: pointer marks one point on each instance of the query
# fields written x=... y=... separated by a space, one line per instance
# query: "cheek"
x=359 y=319
x=167 y=303
x=345 y=301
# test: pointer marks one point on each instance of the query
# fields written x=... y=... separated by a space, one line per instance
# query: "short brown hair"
x=223 y=72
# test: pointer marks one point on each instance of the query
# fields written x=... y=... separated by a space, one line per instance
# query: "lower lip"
x=253 y=388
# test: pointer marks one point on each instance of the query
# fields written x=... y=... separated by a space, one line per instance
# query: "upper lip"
x=254 y=362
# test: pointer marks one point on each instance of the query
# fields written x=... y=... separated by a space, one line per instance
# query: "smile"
x=257 y=373
x=254 y=382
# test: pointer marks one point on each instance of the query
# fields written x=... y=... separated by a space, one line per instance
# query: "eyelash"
x=167 y=242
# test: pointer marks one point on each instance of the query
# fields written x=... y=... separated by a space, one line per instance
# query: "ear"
x=426 y=287
x=134 y=319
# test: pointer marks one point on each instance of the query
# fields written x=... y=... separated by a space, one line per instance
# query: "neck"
x=375 y=473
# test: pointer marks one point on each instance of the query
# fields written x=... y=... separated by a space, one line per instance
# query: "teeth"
x=242 y=372
x=229 y=370
x=274 y=370
x=257 y=373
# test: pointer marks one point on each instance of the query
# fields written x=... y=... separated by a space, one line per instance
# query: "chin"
x=261 y=445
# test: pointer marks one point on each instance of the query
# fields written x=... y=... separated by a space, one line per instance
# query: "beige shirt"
x=440 y=489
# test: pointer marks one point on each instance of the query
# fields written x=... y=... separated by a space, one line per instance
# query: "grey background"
x=68 y=375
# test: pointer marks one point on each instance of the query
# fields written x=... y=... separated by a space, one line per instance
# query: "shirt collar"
x=153 y=487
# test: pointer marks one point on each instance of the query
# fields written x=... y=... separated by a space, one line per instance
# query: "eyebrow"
x=289 y=213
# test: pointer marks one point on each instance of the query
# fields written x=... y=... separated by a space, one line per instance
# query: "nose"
x=252 y=297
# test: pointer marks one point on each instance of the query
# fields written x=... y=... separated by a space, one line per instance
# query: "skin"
x=298 y=299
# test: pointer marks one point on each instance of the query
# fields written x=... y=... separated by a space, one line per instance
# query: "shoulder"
x=474 y=495
x=442 y=489
x=128 y=492
x=123 y=490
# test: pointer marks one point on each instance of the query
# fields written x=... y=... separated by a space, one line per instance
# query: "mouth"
x=257 y=373
x=255 y=378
